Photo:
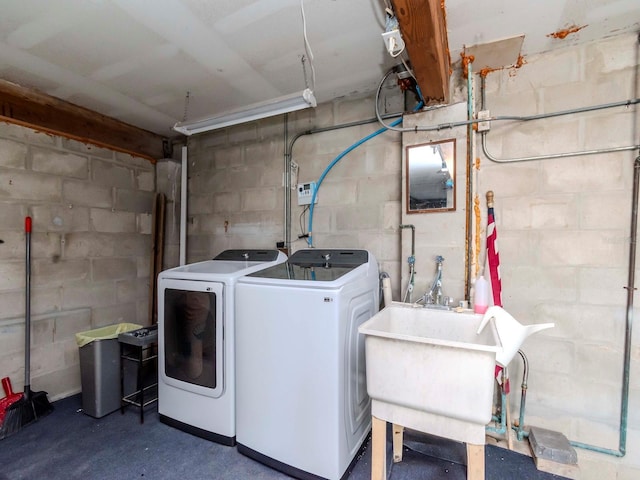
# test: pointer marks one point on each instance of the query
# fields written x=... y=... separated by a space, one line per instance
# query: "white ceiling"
x=135 y=60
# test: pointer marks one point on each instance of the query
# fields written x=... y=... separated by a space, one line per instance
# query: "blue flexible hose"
x=336 y=160
x=332 y=164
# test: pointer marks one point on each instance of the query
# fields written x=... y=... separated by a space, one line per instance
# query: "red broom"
x=32 y=405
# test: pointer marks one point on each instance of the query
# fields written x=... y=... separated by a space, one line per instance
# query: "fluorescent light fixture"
x=277 y=106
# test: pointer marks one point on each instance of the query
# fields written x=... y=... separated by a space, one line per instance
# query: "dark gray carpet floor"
x=67 y=444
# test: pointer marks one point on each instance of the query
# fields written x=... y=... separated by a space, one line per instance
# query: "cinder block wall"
x=564 y=236
x=236 y=194
x=235 y=197
x=90 y=247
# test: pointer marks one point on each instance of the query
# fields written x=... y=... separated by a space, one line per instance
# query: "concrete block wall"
x=90 y=247
x=236 y=193
x=564 y=236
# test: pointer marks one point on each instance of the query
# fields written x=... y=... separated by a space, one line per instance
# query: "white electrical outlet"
x=305 y=193
x=393 y=41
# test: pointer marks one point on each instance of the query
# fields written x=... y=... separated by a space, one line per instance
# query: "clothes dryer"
x=196 y=358
x=302 y=403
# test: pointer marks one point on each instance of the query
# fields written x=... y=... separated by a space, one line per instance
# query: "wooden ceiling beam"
x=424 y=31
x=37 y=110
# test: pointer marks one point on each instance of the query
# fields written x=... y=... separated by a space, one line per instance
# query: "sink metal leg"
x=378 y=449
x=398 y=436
x=475 y=462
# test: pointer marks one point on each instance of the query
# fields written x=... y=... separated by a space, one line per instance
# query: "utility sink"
x=431 y=369
x=434 y=371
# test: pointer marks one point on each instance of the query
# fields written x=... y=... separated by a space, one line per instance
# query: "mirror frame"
x=451 y=206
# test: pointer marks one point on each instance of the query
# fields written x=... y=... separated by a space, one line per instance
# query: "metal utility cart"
x=140 y=347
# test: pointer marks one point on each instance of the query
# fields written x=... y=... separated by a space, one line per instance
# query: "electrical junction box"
x=486 y=125
x=394 y=42
x=305 y=193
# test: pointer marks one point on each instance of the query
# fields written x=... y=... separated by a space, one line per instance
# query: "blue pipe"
x=502 y=418
x=332 y=164
x=340 y=157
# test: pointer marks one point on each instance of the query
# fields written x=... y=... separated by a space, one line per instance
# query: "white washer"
x=196 y=359
x=302 y=403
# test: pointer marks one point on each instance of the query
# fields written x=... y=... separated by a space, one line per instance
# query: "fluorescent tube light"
x=277 y=106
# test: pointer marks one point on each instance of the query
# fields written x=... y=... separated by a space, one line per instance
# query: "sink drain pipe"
x=519 y=428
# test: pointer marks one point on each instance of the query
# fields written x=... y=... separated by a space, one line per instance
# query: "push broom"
x=32 y=405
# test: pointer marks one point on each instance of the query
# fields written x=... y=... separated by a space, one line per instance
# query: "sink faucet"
x=436 y=286
x=434 y=295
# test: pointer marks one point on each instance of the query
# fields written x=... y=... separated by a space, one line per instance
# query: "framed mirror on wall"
x=431 y=185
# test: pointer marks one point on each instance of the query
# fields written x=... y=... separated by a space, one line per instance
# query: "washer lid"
x=320 y=265
x=249 y=255
x=215 y=266
x=329 y=258
x=228 y=264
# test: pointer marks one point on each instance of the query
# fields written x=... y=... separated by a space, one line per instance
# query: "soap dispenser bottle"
x=481 y=295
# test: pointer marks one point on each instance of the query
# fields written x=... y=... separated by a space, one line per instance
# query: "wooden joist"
x=37 y=110
x=423 y=28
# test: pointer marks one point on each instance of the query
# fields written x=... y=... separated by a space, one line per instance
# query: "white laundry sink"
x=429 y=370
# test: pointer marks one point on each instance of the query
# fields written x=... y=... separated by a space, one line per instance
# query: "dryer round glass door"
x=191 y=335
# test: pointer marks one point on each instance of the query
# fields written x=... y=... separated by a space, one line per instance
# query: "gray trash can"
x=100 y=368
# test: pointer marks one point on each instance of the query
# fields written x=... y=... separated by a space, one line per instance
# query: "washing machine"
x=196 y=367
x=302 y=403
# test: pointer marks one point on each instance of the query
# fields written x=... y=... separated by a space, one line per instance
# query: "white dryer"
x=196 y=367
x=302 y=403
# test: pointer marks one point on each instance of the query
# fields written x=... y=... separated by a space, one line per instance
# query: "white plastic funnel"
x=511 y=333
